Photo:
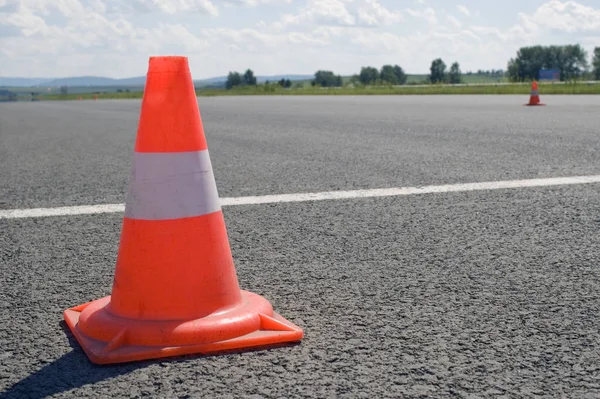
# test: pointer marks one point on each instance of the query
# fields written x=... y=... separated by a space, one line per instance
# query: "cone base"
x=534 y=105
x=271 y=330
x=534 y=100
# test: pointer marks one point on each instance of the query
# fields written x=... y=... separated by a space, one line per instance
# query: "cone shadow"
x=71 y=371
x=74 y=370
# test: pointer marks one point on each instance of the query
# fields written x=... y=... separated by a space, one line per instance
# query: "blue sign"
x=549 y=74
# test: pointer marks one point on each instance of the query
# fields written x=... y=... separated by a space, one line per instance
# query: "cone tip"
x=168 y=63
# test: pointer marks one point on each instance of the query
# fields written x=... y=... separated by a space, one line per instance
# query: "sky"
x=115 y=38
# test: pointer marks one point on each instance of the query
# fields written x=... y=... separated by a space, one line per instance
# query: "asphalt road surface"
x=466 y=294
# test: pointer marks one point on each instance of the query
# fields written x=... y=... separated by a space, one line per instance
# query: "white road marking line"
x=305 y=197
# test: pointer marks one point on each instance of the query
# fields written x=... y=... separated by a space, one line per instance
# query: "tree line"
x=389 y=75
x=571 y=62
x=236 y=79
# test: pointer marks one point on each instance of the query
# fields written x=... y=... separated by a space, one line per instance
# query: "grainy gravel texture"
x=79 y=152
x=478 y=294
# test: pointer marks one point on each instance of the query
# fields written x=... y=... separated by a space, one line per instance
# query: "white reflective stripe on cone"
x=171 y=185
x=535 y=93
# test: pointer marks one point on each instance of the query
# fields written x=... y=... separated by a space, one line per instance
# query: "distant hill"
x=23 y=82
x=99 y=81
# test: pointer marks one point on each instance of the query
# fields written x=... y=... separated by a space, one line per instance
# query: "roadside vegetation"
x=272 y=89
x=568 y=63
x=559 y=69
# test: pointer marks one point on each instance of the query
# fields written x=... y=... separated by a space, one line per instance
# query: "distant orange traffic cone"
x=534 y=98
x=175 y=289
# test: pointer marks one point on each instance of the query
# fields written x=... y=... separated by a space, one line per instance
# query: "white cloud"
x=175 y=6
x=464 y=10
x=29 y=24
x=454 y=21
x=325 y=12
x=428 y=14
x=113 y=38
x=342 y=13
x=87 y=30
x=568 y=16
x=372 y=12
x=254 y=3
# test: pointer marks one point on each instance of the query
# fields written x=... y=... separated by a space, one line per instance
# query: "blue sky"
x=114 y=38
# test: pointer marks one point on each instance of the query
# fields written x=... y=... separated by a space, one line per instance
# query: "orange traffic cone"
x=175 y=289
x=534 y=98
